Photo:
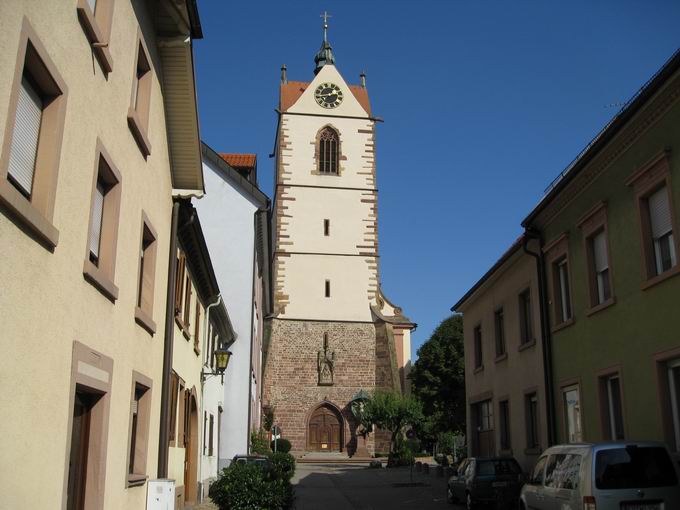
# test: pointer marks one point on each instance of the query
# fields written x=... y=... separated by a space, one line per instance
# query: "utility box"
x=160 y=494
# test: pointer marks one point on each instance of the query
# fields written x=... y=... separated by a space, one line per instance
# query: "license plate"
x=640 y=506
x=499 y=484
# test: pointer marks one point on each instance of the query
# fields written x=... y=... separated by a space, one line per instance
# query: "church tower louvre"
x=333 y=336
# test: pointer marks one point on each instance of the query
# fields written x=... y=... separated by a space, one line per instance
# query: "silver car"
x=622 y=475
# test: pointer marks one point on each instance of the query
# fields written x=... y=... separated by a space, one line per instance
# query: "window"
x=211 y=433
x=328 y=151
x=99 y=267
x=30 y=156
x=562 y=294
x=95 y=17
x=504 y=422
x=600 y=268
x=197 y=328
x=179 y=283
x=659 y=241
x=479 y=362
x=328 y=288
x=563 y=471
x=661 y=230
x=147 y=270
x=610 y=393
x=485 y=417
x=571 y=400
x=525 y=322
x=205 y=434
x=140 y=411
x=634 y=467
x=138 y=113
x=326 y=227
x=593 y=226
x=500 y=332
x=187 y=303
x=531 y=405
x=174 y=387
x=673 y=372
x=537 y=475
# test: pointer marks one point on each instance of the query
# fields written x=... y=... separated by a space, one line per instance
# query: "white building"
x=234 y=217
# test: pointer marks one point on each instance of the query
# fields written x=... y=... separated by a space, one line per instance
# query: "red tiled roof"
x=291 y=92
x=240 y=161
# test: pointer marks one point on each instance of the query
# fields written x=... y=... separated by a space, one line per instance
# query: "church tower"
x=333 y=336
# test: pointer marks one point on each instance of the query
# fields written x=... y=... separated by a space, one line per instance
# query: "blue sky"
x=484 y=102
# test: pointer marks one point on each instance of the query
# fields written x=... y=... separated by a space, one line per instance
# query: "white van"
x=621 y=475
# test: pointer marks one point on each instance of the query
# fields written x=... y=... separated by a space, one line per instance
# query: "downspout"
x=252 y=320
x=206 y=316
x=168 y=339
x=532 y=233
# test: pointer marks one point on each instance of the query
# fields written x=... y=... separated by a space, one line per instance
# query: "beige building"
x=97 y=126
x=504 y=376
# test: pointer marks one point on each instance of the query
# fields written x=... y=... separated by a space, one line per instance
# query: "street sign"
x=410 y=433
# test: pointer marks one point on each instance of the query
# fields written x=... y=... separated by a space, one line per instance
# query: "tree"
x=391 y=411
x=438 y=379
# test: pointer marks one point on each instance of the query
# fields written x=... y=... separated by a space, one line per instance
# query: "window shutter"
x=660 y=213
x=25 y=137
x=97 y=215
x=600 y=252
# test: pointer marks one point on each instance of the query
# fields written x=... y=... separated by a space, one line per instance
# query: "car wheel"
x=469 y=503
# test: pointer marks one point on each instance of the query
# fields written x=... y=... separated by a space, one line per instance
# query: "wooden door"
x=80 y=437
x=324 y=431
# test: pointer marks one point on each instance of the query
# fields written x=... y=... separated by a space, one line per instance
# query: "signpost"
x=276 y=435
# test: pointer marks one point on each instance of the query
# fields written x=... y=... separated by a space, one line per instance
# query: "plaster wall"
x=517 y=374
x=227 y=220
x=45 y=301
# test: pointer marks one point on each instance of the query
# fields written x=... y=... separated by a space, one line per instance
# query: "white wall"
x=227 y=219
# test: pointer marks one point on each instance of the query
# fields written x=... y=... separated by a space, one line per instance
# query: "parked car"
x=622 y=475
x=483 y=480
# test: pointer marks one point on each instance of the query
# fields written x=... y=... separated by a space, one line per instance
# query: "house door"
x=80 y=437
x=191 y=450
x=324 y=431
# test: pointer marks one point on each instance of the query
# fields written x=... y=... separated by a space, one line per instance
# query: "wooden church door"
x=324 y=431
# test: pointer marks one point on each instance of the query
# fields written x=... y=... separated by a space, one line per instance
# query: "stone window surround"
x=35 y=215
x=144 y=314
x=504 y=355
x=97 y=28
x=102 y=276
x=645 y=181
x=478 y=361
x=561 y=416
x=139 y=477
x=91 y=371
x=526 y=395
x=602 y=399
x=555 y=251
x=140 y=97
x=591 y=224
x=661 y=360
x=341 y=157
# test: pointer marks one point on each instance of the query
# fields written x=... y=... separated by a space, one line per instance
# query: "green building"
x=608 y=229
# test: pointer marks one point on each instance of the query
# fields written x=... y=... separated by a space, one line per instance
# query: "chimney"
x=362 y=77
x=284 y=78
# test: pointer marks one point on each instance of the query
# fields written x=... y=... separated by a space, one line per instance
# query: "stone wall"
x=362 y=356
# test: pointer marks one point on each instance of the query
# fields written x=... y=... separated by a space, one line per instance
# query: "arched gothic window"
x=328 y=151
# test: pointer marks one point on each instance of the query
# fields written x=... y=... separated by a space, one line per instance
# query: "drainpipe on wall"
x=164 y=434
x=532 y=233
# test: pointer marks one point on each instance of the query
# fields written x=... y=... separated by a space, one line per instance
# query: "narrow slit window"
x=326 y=227
x=328 y=288
x=328 y=151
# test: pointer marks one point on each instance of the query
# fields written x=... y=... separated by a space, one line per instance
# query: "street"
x=356 y=486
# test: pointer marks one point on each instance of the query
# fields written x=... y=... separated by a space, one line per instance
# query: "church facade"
x=333 y=336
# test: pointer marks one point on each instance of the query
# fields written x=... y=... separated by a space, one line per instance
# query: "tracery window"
x=328 y=151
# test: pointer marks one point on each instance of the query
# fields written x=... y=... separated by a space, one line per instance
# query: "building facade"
x=610 y=241
x=504 y=371
x=235 y=220
x=95 y=134
x=332 y=333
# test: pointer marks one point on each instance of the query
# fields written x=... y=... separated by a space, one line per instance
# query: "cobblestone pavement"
x=357 y=487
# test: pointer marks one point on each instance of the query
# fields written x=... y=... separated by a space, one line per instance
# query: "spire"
x=325 y=54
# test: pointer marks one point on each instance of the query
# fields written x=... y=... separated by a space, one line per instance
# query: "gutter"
x=531 y=233
x=168 y=339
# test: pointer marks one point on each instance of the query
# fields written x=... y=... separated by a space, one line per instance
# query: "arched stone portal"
x=325 y=430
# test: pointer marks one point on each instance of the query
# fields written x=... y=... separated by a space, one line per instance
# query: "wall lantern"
x=222 y=357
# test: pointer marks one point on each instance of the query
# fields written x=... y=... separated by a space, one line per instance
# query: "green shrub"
x=412 y=445
x=403 y=457
x=282 y=445
x=249 y=487
x=283 y=464
x=258 y=444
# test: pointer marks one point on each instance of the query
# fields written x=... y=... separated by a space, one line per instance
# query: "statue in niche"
x=325 y=362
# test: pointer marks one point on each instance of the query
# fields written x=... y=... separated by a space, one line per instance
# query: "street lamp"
x=222 y=357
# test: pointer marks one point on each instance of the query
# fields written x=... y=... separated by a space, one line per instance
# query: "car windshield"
x=634 y=467
x=498 y=467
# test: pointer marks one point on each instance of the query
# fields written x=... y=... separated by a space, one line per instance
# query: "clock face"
x=328 y=95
